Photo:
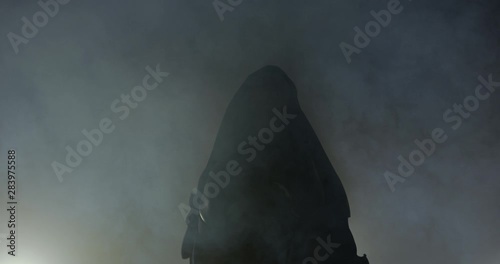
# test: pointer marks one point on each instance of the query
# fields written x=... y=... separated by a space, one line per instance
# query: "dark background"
x=121 y=204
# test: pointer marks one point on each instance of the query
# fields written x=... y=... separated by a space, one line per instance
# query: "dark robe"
x=275 y=199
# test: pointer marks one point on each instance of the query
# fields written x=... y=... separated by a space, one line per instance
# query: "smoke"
x=120 y=204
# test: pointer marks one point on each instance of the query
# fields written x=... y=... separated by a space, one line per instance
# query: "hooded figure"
x=269 y=193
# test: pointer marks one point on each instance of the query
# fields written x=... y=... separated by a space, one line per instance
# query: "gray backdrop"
x=120 y=205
